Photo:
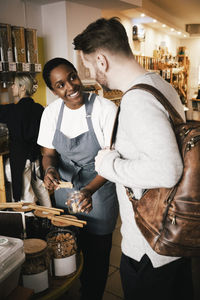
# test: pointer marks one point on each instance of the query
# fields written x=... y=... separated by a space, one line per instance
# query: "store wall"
x=61 y=22
x=78 y=17
x=21 y=13
x=54 y=28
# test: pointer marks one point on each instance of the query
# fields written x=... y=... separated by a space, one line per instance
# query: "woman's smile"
x=67 y=85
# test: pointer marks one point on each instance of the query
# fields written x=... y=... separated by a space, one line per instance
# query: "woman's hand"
x=49 y=163
x=51 y=178
x=88 y=191
x=85 y=201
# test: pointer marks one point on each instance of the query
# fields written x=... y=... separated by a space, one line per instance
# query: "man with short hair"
x=146 y=156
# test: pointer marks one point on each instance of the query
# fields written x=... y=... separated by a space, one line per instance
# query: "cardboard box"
x=12 y=257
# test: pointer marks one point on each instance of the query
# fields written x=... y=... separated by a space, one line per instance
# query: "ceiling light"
x=185 y=35
x=163 y=25
x=142 y=15
x=172 y=29
x=154 y=20
x=178 y=32
x=144 y=20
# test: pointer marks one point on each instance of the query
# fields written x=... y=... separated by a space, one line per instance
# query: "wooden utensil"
x=10 y=205
x=66 y=221
x=64 y=184
x=53 y=210
x=64 y=217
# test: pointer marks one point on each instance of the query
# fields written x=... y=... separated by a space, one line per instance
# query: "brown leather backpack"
x=169 y=219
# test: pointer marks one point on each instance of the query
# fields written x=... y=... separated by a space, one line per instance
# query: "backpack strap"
x=174 y=115
x=114 y=131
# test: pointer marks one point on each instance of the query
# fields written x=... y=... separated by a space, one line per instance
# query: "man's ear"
x=102 y=62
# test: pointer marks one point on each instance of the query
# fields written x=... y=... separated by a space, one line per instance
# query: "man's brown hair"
x=107 y=34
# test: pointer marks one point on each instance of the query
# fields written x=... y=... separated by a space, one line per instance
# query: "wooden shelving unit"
x=176 y=74
x=19 y=52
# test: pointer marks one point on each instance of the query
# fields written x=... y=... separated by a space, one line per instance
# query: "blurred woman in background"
x=23 y=120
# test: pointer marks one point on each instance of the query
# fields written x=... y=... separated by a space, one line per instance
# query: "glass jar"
x=35 y=270
x=72 y=202
x=63 y=246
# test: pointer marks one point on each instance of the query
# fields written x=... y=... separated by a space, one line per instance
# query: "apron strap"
x=89 y=108
x=60 y=116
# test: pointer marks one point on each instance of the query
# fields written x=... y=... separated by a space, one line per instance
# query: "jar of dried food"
x=73 y=205
x=58 y=225
x=62 y=243
x=35 y=270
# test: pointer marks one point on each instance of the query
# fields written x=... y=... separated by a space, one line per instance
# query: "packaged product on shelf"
x=31 y=45
x=18 y=35
x=6 y=53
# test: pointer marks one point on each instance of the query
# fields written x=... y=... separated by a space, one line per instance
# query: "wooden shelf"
x=178 y=79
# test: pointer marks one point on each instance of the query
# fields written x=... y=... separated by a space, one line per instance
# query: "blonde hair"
x=27 y=80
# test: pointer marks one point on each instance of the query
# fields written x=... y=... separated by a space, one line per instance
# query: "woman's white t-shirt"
x=74 y=121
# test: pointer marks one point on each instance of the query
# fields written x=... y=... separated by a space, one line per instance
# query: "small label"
x=0 y=66
x=12 y=67
x=38 y=68
x=26 y=67
x=39 y=282
x=65 y=266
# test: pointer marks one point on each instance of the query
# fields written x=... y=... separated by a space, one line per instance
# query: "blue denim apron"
x=76 y=164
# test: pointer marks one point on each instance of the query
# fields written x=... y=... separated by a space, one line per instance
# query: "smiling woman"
x=73 y=129
x=67 y=85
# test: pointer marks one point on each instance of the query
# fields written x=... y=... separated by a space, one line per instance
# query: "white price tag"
x=38 y=68
x=12 y=67
x=26 y=67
